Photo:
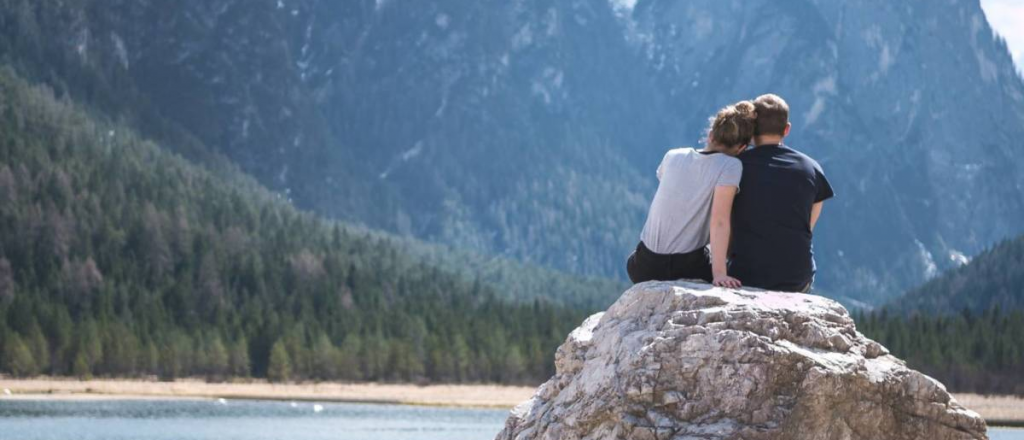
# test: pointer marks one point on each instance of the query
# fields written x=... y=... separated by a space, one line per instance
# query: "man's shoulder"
x=793 y=151
x=803 y=157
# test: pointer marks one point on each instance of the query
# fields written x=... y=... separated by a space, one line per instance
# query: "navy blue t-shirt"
x=771 y=218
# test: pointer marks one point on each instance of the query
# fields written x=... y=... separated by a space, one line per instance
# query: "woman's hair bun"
x=746 y=109
x=734 y=125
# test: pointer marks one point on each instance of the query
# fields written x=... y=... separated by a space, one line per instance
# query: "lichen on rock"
x=689 y=361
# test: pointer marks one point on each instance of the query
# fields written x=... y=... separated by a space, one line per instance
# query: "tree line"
x=118 y=258
x=967 y=351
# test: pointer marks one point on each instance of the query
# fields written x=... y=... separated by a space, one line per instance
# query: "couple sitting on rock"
x=755 y=206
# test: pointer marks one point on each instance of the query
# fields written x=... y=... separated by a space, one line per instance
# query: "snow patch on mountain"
x=406 y=156
x=927 y=260
x=119 y=49
x=548 y=84
x=522 y=38
x=989 y=70
x=623 y=7
x=703 y=26
x=823 y=88
x=874 y=38
x=958 y=257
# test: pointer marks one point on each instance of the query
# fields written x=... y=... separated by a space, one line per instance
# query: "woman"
x=693 y=205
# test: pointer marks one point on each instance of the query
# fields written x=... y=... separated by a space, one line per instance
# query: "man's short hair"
x=772 y=115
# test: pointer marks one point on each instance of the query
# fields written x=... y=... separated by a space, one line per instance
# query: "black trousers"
x=646 y=265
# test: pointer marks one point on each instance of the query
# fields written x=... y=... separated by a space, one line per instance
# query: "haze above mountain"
x=531 y=129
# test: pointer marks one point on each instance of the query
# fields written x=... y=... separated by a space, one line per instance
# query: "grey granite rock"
x=688 y=361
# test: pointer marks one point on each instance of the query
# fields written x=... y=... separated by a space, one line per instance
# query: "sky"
x=1007 y=17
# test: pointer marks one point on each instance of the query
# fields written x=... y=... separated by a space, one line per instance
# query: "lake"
x=253 y=420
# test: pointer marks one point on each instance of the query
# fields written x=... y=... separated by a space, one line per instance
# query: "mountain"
x=911 y=109
x=339 y=105
x=964 y=327
x=992 y=280
x=530 y=129
x=120 y=258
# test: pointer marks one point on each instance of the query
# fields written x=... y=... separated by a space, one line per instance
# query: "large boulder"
x=690 y=361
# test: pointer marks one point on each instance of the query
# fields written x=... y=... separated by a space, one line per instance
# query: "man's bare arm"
x=815 y=213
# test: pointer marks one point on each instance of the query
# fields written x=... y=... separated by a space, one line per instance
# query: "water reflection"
x=256 y=420
x=250 y=420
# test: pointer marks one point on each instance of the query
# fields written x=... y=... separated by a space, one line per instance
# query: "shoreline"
x=460 y=396
x=1001 y=411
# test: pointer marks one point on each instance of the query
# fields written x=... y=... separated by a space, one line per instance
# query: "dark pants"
x=807 y=288
x=798 y=287
x=646 y=265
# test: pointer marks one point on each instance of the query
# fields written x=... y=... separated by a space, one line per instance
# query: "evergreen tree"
x=348 y=358
x=149 y=359
x=279 y=369
x=39 y=348
x=80 y=368
x=325 y=358
x=17 y=357
x=239 y=359
x=7 y=284
x=514 y=366
x=217 y=359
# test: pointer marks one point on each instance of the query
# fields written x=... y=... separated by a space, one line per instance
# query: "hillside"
x=964 y=327
x=119 y=258
x=531 y=130
x=993 y=279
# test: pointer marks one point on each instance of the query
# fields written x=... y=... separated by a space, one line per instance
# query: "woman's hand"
x=727 y=281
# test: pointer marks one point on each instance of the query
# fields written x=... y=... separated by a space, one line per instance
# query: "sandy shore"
x=479 y=396
x=999 y=410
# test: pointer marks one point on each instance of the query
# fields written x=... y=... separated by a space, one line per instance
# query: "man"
x=783 y=192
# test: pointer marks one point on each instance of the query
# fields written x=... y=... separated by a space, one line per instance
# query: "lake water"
x=254 y=420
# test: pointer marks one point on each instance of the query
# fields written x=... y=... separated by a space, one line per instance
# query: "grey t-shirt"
x=680 y=217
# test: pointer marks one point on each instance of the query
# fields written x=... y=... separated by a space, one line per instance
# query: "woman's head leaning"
x=732 y=128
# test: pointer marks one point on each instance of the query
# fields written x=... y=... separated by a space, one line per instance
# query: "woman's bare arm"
x=721 y=230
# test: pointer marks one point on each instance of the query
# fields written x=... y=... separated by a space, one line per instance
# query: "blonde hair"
x=734 y=125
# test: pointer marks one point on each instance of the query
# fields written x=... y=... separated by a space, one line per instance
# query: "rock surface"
x=689 y=361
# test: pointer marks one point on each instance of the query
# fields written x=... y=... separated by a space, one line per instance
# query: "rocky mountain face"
x=532 y=128
x=991 y=282
x=683 y=360
x=911 y=108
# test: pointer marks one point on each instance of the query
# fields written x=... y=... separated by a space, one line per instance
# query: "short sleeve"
x=824 y=189
x=661 y=166
x=731 y=173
